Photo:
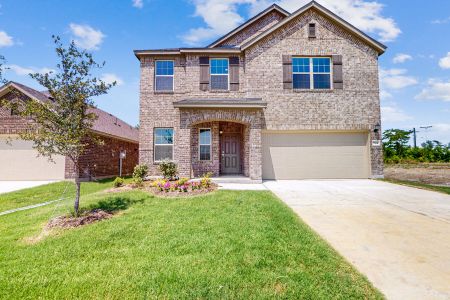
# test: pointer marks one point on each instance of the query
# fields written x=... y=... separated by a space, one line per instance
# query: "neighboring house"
x=283 y=96
x=19 y=161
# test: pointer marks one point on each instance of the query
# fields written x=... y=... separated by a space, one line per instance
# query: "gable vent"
x=312 y=30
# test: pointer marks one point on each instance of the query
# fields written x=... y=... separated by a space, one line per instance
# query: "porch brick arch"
x=251 y=118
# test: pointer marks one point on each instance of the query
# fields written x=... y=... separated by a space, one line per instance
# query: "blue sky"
x=415 y=70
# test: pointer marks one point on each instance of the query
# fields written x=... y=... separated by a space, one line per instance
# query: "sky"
x=414 y=71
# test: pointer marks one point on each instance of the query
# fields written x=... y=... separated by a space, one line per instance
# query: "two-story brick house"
x=283 y=96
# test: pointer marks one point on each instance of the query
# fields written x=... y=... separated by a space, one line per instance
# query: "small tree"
x=395 y=141
x=63 y=125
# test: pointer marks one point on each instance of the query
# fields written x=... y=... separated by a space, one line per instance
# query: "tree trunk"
x=76 y=204
x=77 y=196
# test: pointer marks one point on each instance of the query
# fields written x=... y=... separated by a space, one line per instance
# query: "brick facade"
x=354 y=108
x=102 y=161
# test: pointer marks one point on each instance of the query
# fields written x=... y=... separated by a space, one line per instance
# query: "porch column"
x=183 y=145
x=255 y=159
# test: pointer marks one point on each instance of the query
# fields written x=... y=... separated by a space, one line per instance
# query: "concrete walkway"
x=398 y=236
x=11 y=186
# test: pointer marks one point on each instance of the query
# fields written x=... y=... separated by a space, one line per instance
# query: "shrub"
x=140 y=171
x=138 y=182
x=205 y=182
x=168 y=169
x=118 y=182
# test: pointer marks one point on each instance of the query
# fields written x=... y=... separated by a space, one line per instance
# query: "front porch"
x=220 y=148
x=220 y=140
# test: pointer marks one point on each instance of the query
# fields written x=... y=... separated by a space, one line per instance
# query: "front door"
x=230 y=147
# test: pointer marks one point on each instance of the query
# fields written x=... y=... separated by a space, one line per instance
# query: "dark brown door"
x=230 y=148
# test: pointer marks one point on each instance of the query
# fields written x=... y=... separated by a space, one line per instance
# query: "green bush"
x=140 y=171
x=118 y=182
x=168 y=169
x=138 y=182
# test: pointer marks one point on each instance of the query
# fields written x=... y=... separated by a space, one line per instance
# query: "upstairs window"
x=219 y=74
x=311 y=72
x=205 y=143
x=164 y=75
x=163 y=145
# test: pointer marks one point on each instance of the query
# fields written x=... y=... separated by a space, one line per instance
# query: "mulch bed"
x=84 y=219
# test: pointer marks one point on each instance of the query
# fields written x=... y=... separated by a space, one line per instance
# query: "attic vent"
x=312 y=30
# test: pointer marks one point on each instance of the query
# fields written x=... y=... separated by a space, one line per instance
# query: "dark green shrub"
x=168 y=169
x=140 y=171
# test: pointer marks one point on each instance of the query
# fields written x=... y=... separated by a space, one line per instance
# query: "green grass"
x=229 y=244
x=420 y=185
x=49 y=192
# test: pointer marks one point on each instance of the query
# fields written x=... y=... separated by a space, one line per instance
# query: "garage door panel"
x=301 y=156
x=19 y=161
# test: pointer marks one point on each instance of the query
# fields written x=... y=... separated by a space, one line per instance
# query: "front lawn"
x=228 y=244
x=49 y=192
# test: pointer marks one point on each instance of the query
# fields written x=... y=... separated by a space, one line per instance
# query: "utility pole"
x=415 y=138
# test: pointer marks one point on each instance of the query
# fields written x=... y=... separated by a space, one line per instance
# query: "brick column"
x=183 y=147
x=376 y=156
x=255 y=160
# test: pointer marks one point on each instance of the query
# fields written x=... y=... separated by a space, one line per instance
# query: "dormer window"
x=219 y=74
x=164 y=75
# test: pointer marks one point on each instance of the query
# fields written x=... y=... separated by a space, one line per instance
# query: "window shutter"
x=338 y=81
x=234 y=73
x=312 y=30
x=204 y=73
x=287 y=71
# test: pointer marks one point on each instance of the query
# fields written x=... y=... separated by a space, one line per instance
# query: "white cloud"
x=401 y=58
x=385 y=95
x=396 y=79
x=86 y=37
x=138 y=3
x=221 y=16
x=438 y=132
x=21 y=71
x=441 y=21
x=391 y=113
x=435 y=90
x=110 y=78
x=5 y=40
x=444 y=62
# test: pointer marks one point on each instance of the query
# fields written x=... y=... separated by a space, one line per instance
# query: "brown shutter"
x=338 y=80
x=287 y=71
x=312 y=30
x=234 y=73
x=204 y=73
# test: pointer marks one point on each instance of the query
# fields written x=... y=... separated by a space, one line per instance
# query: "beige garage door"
x=315 y=155
x=19 y=161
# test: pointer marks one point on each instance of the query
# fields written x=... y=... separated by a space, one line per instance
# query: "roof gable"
x=274 y=10
x=379 y=47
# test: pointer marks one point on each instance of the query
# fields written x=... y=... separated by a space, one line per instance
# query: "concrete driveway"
x=398 y=236
x=11 y=186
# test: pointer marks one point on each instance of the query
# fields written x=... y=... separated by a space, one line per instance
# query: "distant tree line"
x=397 y=149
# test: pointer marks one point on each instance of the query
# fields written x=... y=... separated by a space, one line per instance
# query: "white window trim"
x=211 y=74
x=173 y=76
x=155 y=144
x=200 y=144
x=311 y=72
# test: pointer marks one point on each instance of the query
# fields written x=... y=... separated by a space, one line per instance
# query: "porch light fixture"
x=377 y=127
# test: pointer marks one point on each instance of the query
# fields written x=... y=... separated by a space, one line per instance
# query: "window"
x=312 y=30
x=311 y=73
x=219 y=73
x=205 y=143
x=164 y=75
x=163 y=146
